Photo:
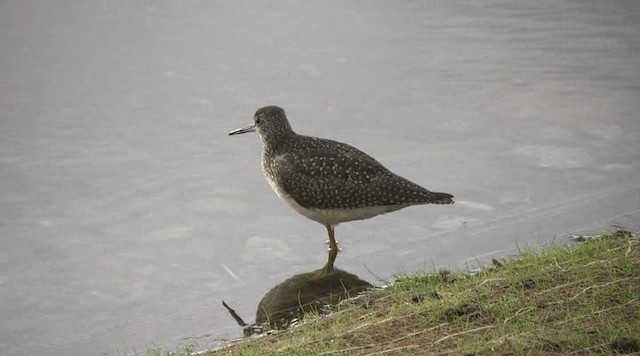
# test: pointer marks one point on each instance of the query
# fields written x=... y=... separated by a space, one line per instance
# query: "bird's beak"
x=242 y=130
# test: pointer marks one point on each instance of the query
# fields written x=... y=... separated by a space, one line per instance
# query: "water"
x=127 y=214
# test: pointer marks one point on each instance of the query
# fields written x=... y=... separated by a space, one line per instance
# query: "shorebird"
x=328 y=181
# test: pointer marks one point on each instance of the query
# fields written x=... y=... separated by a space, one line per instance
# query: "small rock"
x=496 y=262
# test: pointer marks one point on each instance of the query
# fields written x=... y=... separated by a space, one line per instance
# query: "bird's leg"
x=333 y=250
x=329 y=248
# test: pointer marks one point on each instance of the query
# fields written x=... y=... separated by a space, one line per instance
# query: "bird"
x=329 y=181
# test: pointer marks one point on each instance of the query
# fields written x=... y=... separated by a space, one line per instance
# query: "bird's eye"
x=258 y=121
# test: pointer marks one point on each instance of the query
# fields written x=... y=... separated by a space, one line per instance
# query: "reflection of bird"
x=328 y=181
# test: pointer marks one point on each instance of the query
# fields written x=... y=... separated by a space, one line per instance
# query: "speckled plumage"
x=329 y=181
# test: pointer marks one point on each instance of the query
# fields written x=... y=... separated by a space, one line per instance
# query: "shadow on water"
x=300 y=294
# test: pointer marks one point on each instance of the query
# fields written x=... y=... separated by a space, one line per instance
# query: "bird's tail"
x=441 y=198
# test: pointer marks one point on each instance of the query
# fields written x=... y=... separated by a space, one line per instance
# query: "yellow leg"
x=333 y=250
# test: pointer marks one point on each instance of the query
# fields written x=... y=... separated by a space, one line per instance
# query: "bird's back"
x=325 y=174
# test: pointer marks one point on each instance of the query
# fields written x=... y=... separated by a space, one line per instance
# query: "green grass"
x=553 y=301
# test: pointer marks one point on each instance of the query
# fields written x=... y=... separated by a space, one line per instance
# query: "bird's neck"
x=274 y=140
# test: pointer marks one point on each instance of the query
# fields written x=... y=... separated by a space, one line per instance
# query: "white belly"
x=334 y=216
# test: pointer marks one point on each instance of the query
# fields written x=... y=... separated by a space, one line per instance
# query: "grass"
x=554 y=301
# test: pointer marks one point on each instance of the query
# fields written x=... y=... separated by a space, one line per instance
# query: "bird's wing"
x=342 y=179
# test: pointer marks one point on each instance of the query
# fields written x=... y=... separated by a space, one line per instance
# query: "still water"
x=127 y=214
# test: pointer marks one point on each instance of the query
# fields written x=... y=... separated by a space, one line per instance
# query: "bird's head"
x=269 y=122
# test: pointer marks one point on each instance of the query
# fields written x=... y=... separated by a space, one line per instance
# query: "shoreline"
x=583 y=298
